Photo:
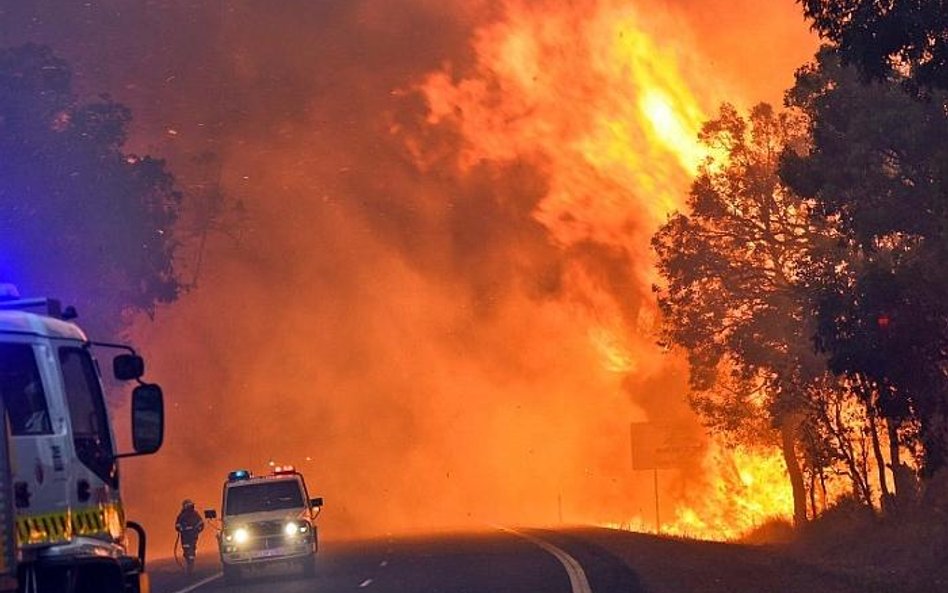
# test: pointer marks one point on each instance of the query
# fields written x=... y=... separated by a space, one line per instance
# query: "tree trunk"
x=813 y=509
x=886 y=501
x=860 y=479
x=902 y=477
x=788 y=441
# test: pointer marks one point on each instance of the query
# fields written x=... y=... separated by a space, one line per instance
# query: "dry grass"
x=906 y=552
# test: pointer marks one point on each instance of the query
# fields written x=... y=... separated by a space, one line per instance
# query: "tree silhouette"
x=878 y=166
x=79 y=218
x=731 y=267
x=878 y=36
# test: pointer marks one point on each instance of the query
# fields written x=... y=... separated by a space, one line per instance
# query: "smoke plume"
x=418 y=239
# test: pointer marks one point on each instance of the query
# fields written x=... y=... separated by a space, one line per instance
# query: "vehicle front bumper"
x=262 y=550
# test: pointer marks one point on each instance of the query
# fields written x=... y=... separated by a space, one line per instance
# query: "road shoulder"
x=673 y=565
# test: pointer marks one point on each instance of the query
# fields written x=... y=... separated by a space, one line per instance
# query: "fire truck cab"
x=62 y=477
x=267 y=520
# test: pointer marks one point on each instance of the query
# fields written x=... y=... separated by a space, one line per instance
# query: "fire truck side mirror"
x=210 y=514
x=316 y=502
x=126 y=367
x=148 y=418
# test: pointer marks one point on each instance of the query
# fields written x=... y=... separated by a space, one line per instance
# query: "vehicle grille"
x=267 y=528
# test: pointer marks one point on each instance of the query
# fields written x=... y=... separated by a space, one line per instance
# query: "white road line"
x=190 y=588
x=577 y=576
x=365 y=583
x=383 y=563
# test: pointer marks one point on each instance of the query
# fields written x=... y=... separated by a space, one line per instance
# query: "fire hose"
x=177 y=541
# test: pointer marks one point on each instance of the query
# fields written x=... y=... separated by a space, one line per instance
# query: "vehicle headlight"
x=241 y=535
x=292 y=528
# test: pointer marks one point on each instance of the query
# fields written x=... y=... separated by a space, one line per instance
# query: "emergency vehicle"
x=61 y=482
x=266 y=520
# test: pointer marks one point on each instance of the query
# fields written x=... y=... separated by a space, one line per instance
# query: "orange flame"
x=384 y=369
x=612 y=119
x=748 y=487
x=741 y=489
x=611 y=115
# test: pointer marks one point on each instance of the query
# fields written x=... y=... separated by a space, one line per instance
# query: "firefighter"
x=189 y=526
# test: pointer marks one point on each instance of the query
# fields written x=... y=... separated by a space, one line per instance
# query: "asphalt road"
x=498 y=561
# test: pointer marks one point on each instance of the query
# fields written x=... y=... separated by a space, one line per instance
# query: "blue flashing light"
x=8 y=292
x=240 y=474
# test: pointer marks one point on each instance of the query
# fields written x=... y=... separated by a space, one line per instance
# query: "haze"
x=429 y=284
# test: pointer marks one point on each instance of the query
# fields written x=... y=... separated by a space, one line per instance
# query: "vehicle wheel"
x=231 y=574
x=309 y=566
x=97 y=576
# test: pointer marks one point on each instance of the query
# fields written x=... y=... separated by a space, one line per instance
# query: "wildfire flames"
x=605 y=108
x=613 y=115
x=438 y=303
x=746 y=488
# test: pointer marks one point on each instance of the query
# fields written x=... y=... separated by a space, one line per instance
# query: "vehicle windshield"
x=90 y=422
x=265 y=496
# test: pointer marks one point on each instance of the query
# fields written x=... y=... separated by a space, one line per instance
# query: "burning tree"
x=749 y=278
x=732 y=298
x=877 y=167
x=814 y=298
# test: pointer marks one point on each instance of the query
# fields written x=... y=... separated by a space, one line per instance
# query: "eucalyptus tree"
x=732 y=266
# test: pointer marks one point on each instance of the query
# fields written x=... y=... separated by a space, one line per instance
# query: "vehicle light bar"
x=284 y=469
x=43 y=305
x=240 y=474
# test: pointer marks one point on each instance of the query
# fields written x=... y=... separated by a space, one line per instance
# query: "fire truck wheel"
x=103 y=576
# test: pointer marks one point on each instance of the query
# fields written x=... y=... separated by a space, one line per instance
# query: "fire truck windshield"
x=263 y=496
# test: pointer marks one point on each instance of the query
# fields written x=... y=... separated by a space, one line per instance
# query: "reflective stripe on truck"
x=52 y=528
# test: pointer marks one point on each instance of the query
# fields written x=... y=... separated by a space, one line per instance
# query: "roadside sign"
x=662 y=446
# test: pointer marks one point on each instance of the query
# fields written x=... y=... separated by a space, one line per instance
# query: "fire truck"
x=62 y=524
